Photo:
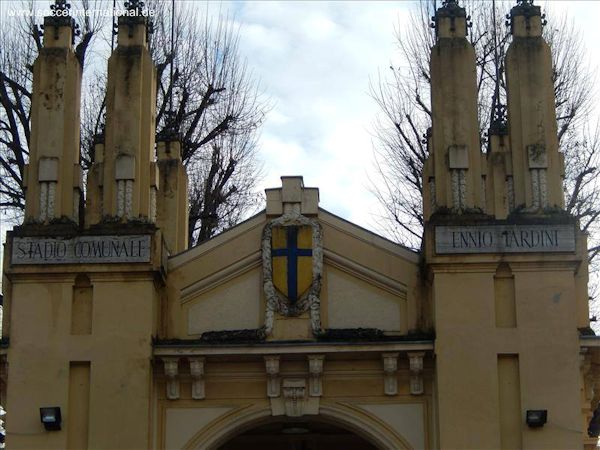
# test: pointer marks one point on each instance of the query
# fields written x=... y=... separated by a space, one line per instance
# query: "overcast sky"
x=315 y=60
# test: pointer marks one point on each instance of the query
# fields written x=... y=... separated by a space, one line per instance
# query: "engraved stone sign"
x=505 y=239
x=81 y=250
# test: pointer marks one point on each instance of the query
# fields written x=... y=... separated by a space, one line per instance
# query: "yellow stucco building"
x=297 y=329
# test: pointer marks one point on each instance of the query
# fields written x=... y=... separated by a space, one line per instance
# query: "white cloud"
x=314 y=60
x=318 y=27
x=265 y=39
x=316 y=67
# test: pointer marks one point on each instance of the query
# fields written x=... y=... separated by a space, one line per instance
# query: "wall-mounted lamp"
x=536 y=418
x=50 y=417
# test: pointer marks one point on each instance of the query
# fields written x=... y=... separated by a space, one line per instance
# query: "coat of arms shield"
x=291 y=254
x=292 y=265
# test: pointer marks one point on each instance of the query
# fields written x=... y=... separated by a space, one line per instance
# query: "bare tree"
x=217 y=111
x=21 y=39
x=404 y=100
x=205 y=95
x=15 y=101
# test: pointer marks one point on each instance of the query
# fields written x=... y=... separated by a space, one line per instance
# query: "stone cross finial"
x=292 y=198
x=291 y=194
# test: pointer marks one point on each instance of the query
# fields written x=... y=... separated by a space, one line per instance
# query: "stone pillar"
x=455 y=171
x=537 y=165
x=172 y=198
x=499 y=179
x=130 y=181
x=53 y=175
x=94 y=185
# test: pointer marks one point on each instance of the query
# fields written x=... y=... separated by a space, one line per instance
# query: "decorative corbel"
x=390 y=368
x=197 y=373
x=294 y=396
x=416 y=372
x=273 y=381
x=171 y=372
x=315 y=369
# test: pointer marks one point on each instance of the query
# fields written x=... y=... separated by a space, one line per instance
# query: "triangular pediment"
x=367 y=281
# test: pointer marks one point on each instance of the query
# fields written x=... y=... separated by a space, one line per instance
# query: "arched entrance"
x=288 y=434
x=334 y=420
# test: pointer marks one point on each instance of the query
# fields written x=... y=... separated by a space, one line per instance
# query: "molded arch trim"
x=344 y=415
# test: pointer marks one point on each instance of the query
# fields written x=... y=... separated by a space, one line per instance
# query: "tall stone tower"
x=53 y=177
x=83 y=285
x=506 y=266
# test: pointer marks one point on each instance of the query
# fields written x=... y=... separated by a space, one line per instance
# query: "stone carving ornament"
x=310 y=299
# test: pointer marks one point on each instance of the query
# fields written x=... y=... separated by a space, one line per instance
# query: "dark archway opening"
x=288 y=434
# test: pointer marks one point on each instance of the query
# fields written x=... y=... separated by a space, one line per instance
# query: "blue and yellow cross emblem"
x=291 y=253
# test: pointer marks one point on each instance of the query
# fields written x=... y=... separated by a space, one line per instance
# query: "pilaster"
x=172 y=198
x=499 y=180
x=94 y=185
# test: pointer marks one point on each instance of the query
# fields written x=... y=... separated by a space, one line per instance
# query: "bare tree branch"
x=404 y=102
x=405 y=115
x=212 y=98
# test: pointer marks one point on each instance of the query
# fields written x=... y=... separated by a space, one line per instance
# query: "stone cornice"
x=289 y=348
x=478 y=265
x=589 y=341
